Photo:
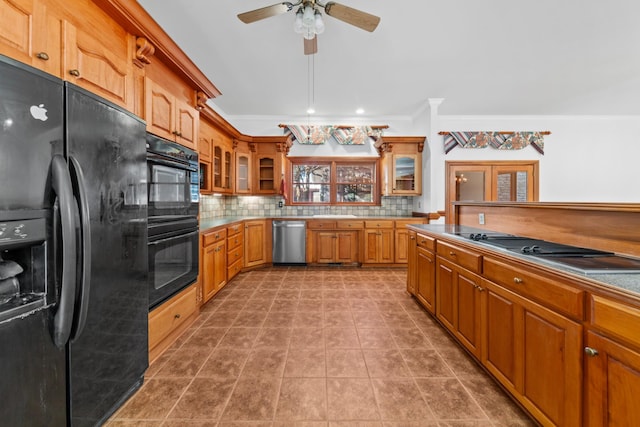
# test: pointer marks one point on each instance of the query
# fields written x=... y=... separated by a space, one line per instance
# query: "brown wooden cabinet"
x=425 y=287
x=235 y=249
x=402 y=165
x=213 y=262
x=169 y=116
x=536 y=354
x=412 y=259
x=267 y=167
x=379 y=241
x=61 y=40
x=401 y=244
x=256 y=241
x=612 y=362
x=215 y=148
x=168 y=321
x=459 y=303
x=243 y=168
x=336 y=247
x=612 y=382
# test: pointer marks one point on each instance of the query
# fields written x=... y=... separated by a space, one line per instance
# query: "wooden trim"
x=133 y=18
x=281 y=125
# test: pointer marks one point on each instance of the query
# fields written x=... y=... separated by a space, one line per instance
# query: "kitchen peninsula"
x=563 y=342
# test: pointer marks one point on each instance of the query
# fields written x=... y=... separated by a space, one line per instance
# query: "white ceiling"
x=491 y=57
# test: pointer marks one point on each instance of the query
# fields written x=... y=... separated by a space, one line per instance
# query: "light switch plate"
x=481 y=218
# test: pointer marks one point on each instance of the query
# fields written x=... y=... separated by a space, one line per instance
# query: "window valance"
x=501 y=140
x=345 y=135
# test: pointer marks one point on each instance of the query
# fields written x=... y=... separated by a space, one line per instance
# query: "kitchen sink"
x=334 y=216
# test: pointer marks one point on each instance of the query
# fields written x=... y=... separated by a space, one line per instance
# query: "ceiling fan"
x=309 y=19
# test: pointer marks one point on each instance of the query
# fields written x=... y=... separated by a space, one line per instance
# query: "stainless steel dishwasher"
x=289 y=242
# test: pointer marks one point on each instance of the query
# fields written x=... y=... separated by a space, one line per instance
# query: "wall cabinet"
x=402 y=165
x=257 y=238
x=379 y=241
x=267 y=166
x=169 y=116
x=215 y=149
x=243 y=168
x=213 y=262
x=46 y=36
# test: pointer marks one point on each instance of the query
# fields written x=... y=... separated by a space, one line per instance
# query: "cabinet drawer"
x=378 y=224
x=426 y=242
x=401 y=224
x=234 y=254
x=315 y=224
x=350 y=225
x=472 y=261
x=171 y=315
x=549 y=290
x=234 y=269
x=234 y=229
x=234 y=241
x=619 y=319
x=213 y=236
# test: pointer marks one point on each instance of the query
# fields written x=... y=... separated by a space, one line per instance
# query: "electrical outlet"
x=280 y=203
x=481 y=218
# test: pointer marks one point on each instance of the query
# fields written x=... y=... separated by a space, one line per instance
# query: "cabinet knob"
x=518 y=281
x=451 y=253
x=74 y=73
x=177 y=316
x=591 y=352
x=412 y=238
x=43 y=56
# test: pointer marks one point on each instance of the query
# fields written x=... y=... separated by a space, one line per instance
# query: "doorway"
x=503 y=181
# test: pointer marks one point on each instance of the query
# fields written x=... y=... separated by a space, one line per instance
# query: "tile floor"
x=296 y=346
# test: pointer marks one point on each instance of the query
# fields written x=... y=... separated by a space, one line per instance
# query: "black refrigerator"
x=73 y=252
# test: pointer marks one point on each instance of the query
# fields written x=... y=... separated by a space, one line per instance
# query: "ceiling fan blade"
x=352 y=16
x=311 y=46
x=264 y=12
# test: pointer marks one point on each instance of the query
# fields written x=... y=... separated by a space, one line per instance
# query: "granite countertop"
x=624 y=281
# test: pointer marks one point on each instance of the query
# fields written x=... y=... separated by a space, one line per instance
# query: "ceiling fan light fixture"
x=297 y=24
x=308 y=17
x=319 y=23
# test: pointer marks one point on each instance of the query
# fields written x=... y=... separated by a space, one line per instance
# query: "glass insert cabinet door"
x=404 y=173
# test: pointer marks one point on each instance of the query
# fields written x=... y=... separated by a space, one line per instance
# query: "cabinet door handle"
x=177 y=316
x=518 y=281
x=451 y=253
x=43 y=56
x=591 y=352
x=74 y=73
x=412 y=238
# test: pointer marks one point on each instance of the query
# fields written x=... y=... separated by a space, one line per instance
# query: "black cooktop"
x=585 y=260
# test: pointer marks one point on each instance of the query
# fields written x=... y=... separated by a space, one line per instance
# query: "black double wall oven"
x=173 y=194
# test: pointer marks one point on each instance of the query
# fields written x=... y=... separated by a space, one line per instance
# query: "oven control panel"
x=21 y=231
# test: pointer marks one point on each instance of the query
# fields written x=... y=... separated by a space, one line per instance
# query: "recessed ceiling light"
x=311 y=110
x=360 y=111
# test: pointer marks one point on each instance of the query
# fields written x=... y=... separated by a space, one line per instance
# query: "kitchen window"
x=335 y=182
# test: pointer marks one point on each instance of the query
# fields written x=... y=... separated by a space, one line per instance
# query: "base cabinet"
x=214 y=262
x=379 y=241
x=336 y=247
x=458 y=303
x=613 y=383
x=426 y=279
x=168 y=321
x=255 y=243
x=536 y=354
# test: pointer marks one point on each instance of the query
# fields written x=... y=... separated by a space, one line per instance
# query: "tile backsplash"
x=267 y=206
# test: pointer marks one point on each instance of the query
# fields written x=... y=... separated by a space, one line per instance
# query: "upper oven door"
x=171 y=177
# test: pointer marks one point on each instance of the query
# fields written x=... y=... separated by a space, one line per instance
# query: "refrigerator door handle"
x=79 y=187
x=61 y=183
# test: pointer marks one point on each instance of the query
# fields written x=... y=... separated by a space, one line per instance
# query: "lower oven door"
x=173 y=264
